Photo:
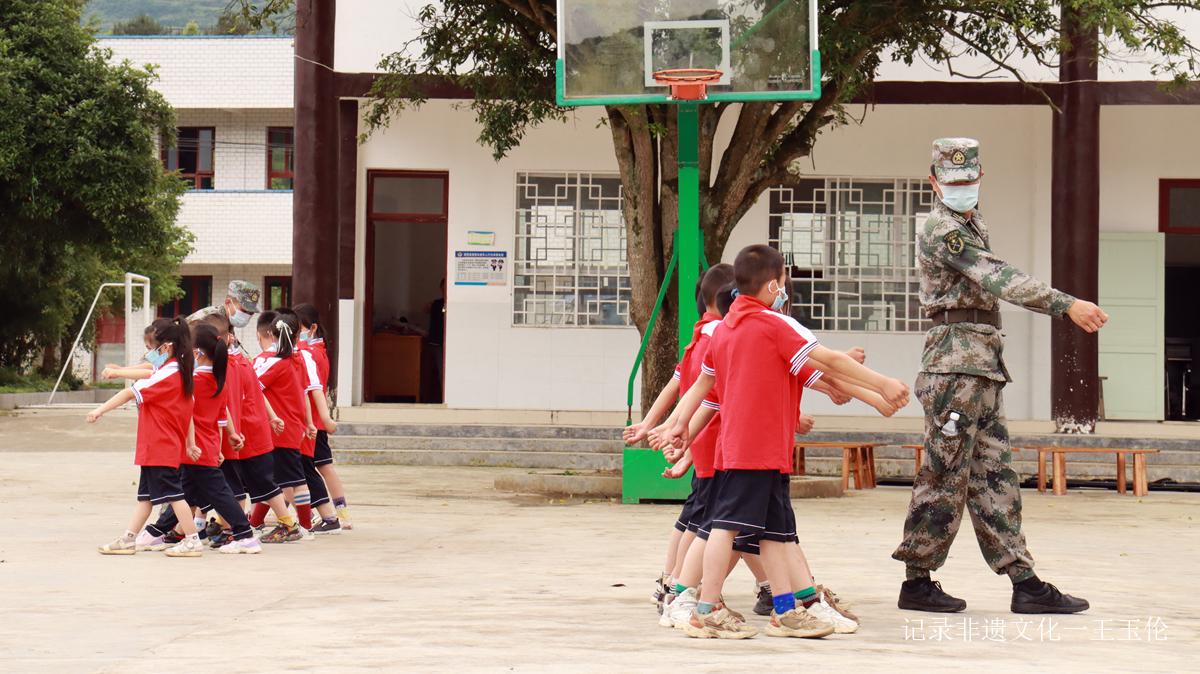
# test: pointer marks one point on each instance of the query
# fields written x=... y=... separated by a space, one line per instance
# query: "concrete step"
x=467 y=444
x=482 y=431
x=501 y=459
x=903 y=468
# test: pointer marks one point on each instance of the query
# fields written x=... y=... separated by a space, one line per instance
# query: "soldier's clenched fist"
x=1087 y=316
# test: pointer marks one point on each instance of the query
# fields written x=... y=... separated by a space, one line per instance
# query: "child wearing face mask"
x=164 y=418
x=204 y=485
x=279 y=374
x=312 y=343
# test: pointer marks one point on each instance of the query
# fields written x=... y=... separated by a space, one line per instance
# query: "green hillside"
x=173 y=14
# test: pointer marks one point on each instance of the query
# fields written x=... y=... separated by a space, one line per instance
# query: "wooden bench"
x=1059 y=457
x=858 y=459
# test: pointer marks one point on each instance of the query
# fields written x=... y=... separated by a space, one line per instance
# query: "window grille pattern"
x=850 y=244
x=570 y=264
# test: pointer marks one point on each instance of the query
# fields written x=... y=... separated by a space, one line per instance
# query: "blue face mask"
x=156 y=358
x=305 y=337
x=780 y=299
x=960 y=198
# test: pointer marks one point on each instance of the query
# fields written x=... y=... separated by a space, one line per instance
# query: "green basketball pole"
x=688 y=232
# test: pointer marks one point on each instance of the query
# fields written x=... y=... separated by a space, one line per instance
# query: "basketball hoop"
x=688 y=84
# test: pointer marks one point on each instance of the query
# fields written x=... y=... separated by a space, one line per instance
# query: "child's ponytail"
x=175 y=330
x=210 y=340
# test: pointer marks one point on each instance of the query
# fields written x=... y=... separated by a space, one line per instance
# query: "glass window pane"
x=1184 y=207
x=408 y=194
x=204 y=149
x=281 y=183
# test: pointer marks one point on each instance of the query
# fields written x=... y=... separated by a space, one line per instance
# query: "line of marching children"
x=741 y=381
x=220 y=434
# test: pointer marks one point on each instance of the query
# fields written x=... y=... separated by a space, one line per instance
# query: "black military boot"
x=1030 y=598
x=766 y=602
x=925 y=594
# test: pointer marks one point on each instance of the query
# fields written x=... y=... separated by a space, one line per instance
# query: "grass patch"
x=13 y=381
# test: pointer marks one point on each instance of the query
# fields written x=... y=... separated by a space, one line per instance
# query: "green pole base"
x=642 y=480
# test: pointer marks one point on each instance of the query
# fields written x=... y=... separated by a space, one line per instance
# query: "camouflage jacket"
x=959 y=271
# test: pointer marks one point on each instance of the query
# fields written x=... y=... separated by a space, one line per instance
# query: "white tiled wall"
x=238 y=227
x=240 y=157
x=214 y=71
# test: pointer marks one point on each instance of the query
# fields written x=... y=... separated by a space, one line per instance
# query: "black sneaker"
x=220 y=539
x=1049 y=600
x=172 y=537
x=925 y=594
x=327 y=527
x=765 y=603
x=211 y=529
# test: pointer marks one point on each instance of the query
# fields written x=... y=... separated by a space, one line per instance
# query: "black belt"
x=966 y=316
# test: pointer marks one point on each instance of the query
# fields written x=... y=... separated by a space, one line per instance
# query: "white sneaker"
x=147 y=541
x=188 y=547
x=682 y=608
x=306 y=535
x=664 y=618
x=841 y=624
x=245 y=546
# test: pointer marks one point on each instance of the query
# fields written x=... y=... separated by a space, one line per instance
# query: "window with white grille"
x=570 y=265
x=850 y=244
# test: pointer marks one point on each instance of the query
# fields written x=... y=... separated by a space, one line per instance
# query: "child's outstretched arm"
x=680 y=467
x=139 y=371
x=675 y=429
x=123 y=396
x=323 y=411
x=894 y=391
x=637 y=433
x=275 y=421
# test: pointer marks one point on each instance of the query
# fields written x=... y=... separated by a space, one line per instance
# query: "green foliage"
x=14 y=381
x=192 y=28
x=173 y=15
x=83 y=196
x=142 y=24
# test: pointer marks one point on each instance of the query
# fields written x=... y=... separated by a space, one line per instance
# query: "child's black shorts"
x=322 y=452
x=288 y=470
x=159 y=484
x=755 y=503
x=746 y=544
x=688 y=513
x=232 y=469
x=702 y=491
x=258 y=476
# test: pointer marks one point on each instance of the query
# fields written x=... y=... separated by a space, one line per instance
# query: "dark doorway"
x=406 y=271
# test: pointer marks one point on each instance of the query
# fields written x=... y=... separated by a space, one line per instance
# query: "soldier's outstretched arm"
x=1001 y=278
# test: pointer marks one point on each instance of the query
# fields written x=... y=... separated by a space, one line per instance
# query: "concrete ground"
x=442 y=573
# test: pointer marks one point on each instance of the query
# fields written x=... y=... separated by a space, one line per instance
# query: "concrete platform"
x=596 y=485
x=442 y=573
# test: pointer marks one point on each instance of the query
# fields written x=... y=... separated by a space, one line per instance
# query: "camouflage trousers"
x=970 y=466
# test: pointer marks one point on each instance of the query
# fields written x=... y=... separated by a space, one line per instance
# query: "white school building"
x=530 y=326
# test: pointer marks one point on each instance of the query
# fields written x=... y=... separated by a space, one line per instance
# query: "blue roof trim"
x=262 y=191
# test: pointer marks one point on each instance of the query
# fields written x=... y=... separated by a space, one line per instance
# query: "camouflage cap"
x=246 y=294
x=956 y=160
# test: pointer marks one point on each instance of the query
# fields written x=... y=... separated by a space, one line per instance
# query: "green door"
x=1131 y=345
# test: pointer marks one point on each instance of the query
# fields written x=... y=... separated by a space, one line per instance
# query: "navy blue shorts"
x=688 y=513
x=322 y=453
x=755 y=503
x=232 y=469
x=289 y=471
x=159 y=484
x=702 y=490
x=258 y=476
x=704 y=526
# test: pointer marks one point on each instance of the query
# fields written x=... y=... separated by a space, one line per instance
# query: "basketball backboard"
x=609 y=50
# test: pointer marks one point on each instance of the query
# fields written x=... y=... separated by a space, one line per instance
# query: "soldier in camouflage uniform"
x=241 y=303
x=967 y=459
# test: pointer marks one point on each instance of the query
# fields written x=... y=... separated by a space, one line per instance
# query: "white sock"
x=193 y=537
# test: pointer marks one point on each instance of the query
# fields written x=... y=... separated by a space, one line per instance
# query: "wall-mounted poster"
x=480 y=267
